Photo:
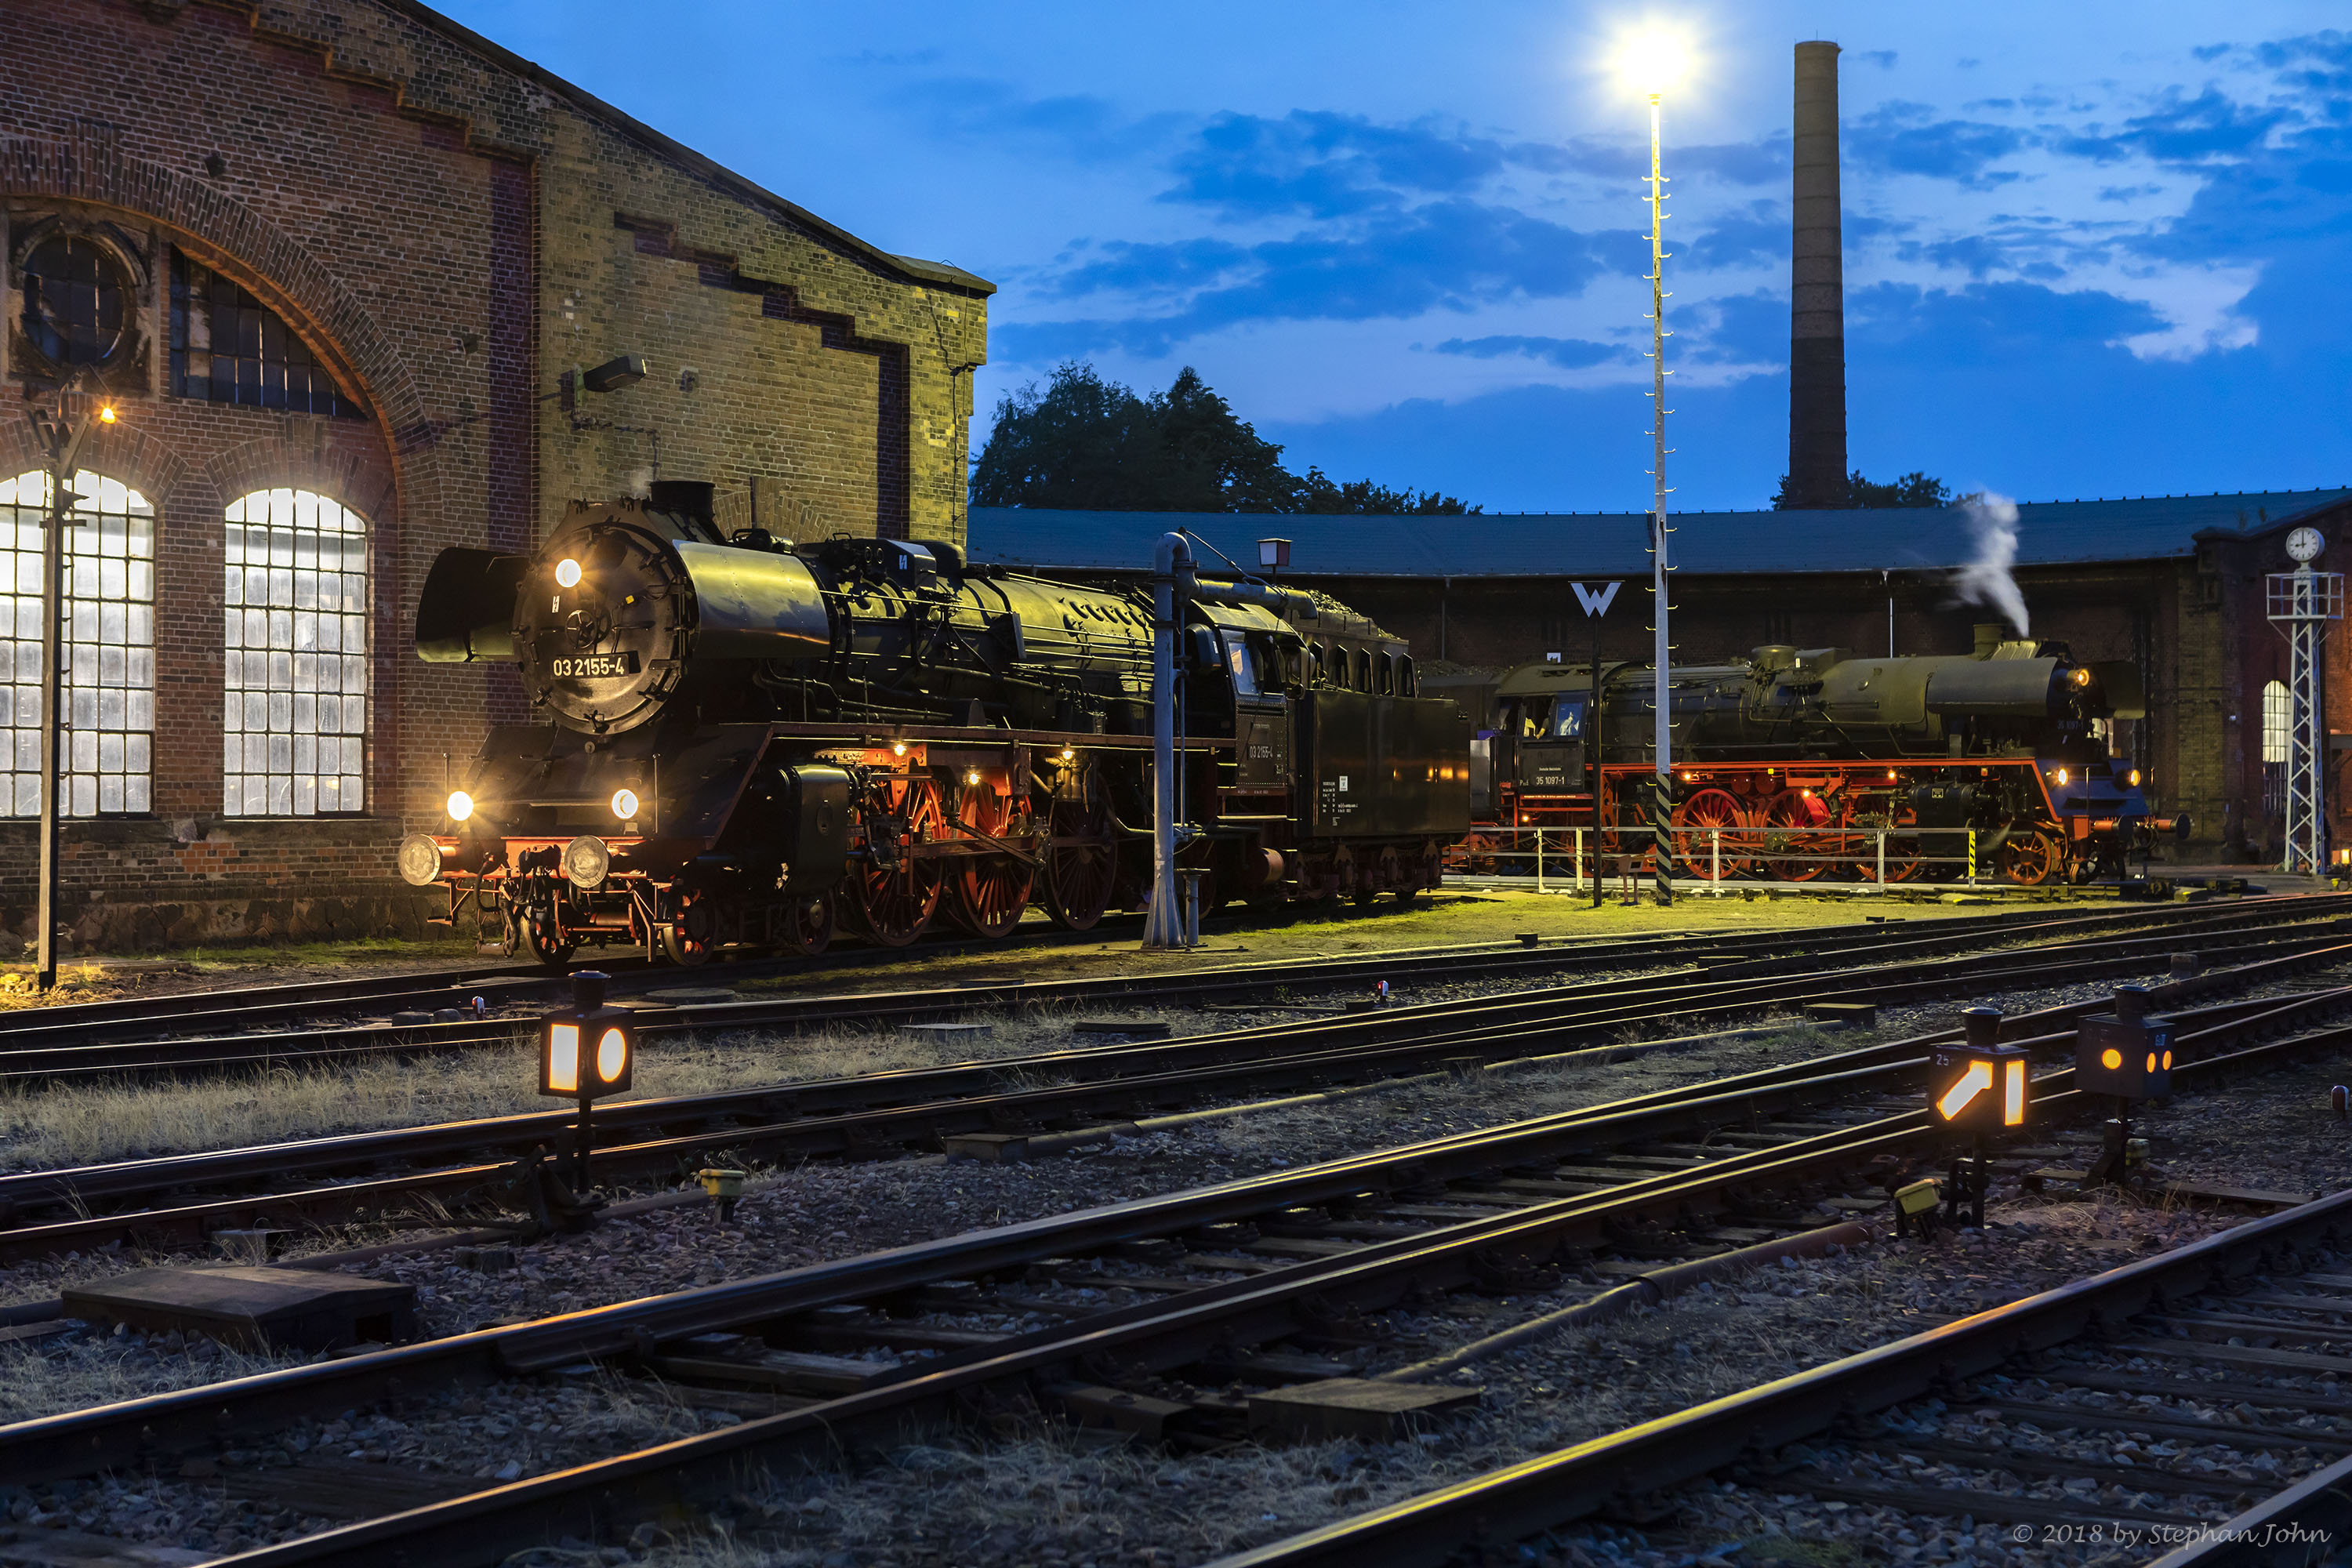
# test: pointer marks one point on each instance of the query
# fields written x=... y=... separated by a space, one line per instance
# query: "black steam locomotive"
x=743 y=739
x=1800 y=762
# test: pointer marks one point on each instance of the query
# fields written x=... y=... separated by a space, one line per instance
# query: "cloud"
x=1441 y=255
x=1759 y=236
x=1568 y=353
x=1316 y=163
x=2208 y=128
x=1903 y=138
x=1882 y=58
x=2015 y=323
x=1734 y=329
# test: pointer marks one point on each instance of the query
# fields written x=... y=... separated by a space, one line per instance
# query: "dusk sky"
x=2092 y=249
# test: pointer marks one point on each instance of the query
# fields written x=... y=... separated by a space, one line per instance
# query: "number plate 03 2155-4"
x=589 y=666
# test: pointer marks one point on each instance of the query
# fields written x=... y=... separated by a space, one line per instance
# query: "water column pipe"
x=1174 y=576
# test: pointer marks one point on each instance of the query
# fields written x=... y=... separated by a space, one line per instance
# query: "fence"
x=1720 y=855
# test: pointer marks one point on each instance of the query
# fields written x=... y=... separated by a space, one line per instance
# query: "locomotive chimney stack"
x=1817 y=460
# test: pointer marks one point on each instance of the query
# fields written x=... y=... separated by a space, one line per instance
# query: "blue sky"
x=2100 y=248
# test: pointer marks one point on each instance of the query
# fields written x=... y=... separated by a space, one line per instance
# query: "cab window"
x=1535 y=718
x=1567 y=721
x=1244 y=668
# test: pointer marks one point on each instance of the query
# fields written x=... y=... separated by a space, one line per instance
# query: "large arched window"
x=295 y=678
x=109 y=638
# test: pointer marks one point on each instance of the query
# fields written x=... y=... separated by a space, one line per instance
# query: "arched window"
x=2278 y=720
x=295 y=678
x=109 y=639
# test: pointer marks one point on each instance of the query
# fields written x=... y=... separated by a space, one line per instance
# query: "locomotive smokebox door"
x=2125 y=1053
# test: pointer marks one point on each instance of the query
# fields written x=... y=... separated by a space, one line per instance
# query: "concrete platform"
x=281 y=1309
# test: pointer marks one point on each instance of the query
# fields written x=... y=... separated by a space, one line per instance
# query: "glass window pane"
x=294 y=663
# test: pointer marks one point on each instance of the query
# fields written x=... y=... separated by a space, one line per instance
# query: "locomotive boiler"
x=740 y=739
x=1800 y=762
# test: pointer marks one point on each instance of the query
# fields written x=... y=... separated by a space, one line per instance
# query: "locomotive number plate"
x=595 y=666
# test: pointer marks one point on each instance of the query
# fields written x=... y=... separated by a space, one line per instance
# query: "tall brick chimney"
x=1817 y=464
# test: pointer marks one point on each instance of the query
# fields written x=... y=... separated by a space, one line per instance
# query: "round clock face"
x=2305 y=543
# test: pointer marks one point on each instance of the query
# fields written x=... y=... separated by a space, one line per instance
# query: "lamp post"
x=1653 y=61
x=59 y=430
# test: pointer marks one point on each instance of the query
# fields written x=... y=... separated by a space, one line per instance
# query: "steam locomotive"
x=1796 y=763
x=744 y=740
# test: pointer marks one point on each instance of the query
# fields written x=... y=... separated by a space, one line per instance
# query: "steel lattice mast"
x=2302 y=603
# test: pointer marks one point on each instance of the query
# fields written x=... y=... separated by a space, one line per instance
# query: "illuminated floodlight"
x=1654 y=60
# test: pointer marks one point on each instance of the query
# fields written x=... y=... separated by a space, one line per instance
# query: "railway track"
x=156 y=1204
x=213 y=1032
x=1276 y=1281
x=2135 y=1411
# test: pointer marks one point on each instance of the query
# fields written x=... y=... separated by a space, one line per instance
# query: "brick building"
x=2174 y=583
x=334 y=263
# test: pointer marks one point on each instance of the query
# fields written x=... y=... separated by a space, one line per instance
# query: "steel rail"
x=31 y=1061
x=1543 y=1493
x=486 y=1527
x=1174 y=1073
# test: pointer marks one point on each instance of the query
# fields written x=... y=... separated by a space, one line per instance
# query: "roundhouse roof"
x=1548 y=544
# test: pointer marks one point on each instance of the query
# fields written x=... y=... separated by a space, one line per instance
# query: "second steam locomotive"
x=741 y=739
x=1797 y=763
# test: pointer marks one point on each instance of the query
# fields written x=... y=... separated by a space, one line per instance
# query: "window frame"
x=274 y=707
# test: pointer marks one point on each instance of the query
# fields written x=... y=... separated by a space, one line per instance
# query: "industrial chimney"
x=1817 y=470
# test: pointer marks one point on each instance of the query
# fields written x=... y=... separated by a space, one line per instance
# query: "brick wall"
x=448 y=229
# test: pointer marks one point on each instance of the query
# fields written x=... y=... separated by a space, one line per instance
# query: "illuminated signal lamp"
x=585 y=1052
x=2126 y=1055
x=1980 y=1086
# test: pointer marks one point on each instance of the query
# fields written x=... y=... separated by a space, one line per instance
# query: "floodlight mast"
x=1661 y=654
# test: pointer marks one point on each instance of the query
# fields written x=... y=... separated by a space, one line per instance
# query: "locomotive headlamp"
x=461 y=805
x=625 y=805
x=971 y=775
x=2132 y=778
x=567 y=572
x=420 y=860
x=2058 y=775
x=1067 y=754
x=587 y=860
x=897 y=748
x=106 y=414
x=2081 y=678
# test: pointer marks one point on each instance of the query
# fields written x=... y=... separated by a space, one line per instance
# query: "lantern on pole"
x=585 y=1052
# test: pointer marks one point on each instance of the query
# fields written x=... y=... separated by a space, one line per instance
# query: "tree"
x=1913 y=489
x=1085 y=444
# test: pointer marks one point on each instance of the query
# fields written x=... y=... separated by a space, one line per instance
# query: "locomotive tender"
x=1797 y=763
x=744 y=739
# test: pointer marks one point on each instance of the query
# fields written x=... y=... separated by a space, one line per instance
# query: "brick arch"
x=301 y=458
x=253 y=249
x=122 y=452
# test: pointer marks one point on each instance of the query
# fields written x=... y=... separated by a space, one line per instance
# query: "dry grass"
x=1001 y=1504
x=77 y=1124
x=38 y=1379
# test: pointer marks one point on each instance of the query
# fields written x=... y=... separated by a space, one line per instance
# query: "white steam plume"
x=1992 y=526
x=641 y=483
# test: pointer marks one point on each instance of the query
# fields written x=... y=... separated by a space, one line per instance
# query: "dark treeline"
x=1914 y=488
x=1084 y=443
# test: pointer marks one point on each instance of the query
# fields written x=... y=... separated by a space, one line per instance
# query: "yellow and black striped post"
x=1661 y=824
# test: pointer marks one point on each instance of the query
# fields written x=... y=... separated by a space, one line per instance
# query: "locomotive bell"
x=2126 y=1053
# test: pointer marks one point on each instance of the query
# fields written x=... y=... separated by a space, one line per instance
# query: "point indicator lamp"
x=2127 y=1053
x=589 y=1049
x=1978 y=1085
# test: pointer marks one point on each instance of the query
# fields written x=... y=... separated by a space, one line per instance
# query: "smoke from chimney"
x=1817 y=466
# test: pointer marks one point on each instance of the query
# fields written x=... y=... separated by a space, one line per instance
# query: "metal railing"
x=1720 y=855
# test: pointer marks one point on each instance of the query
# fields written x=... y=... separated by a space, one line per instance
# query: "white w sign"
x=1596 y=600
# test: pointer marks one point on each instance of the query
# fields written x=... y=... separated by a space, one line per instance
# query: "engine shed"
x=2172 y=585
x=359 y=284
